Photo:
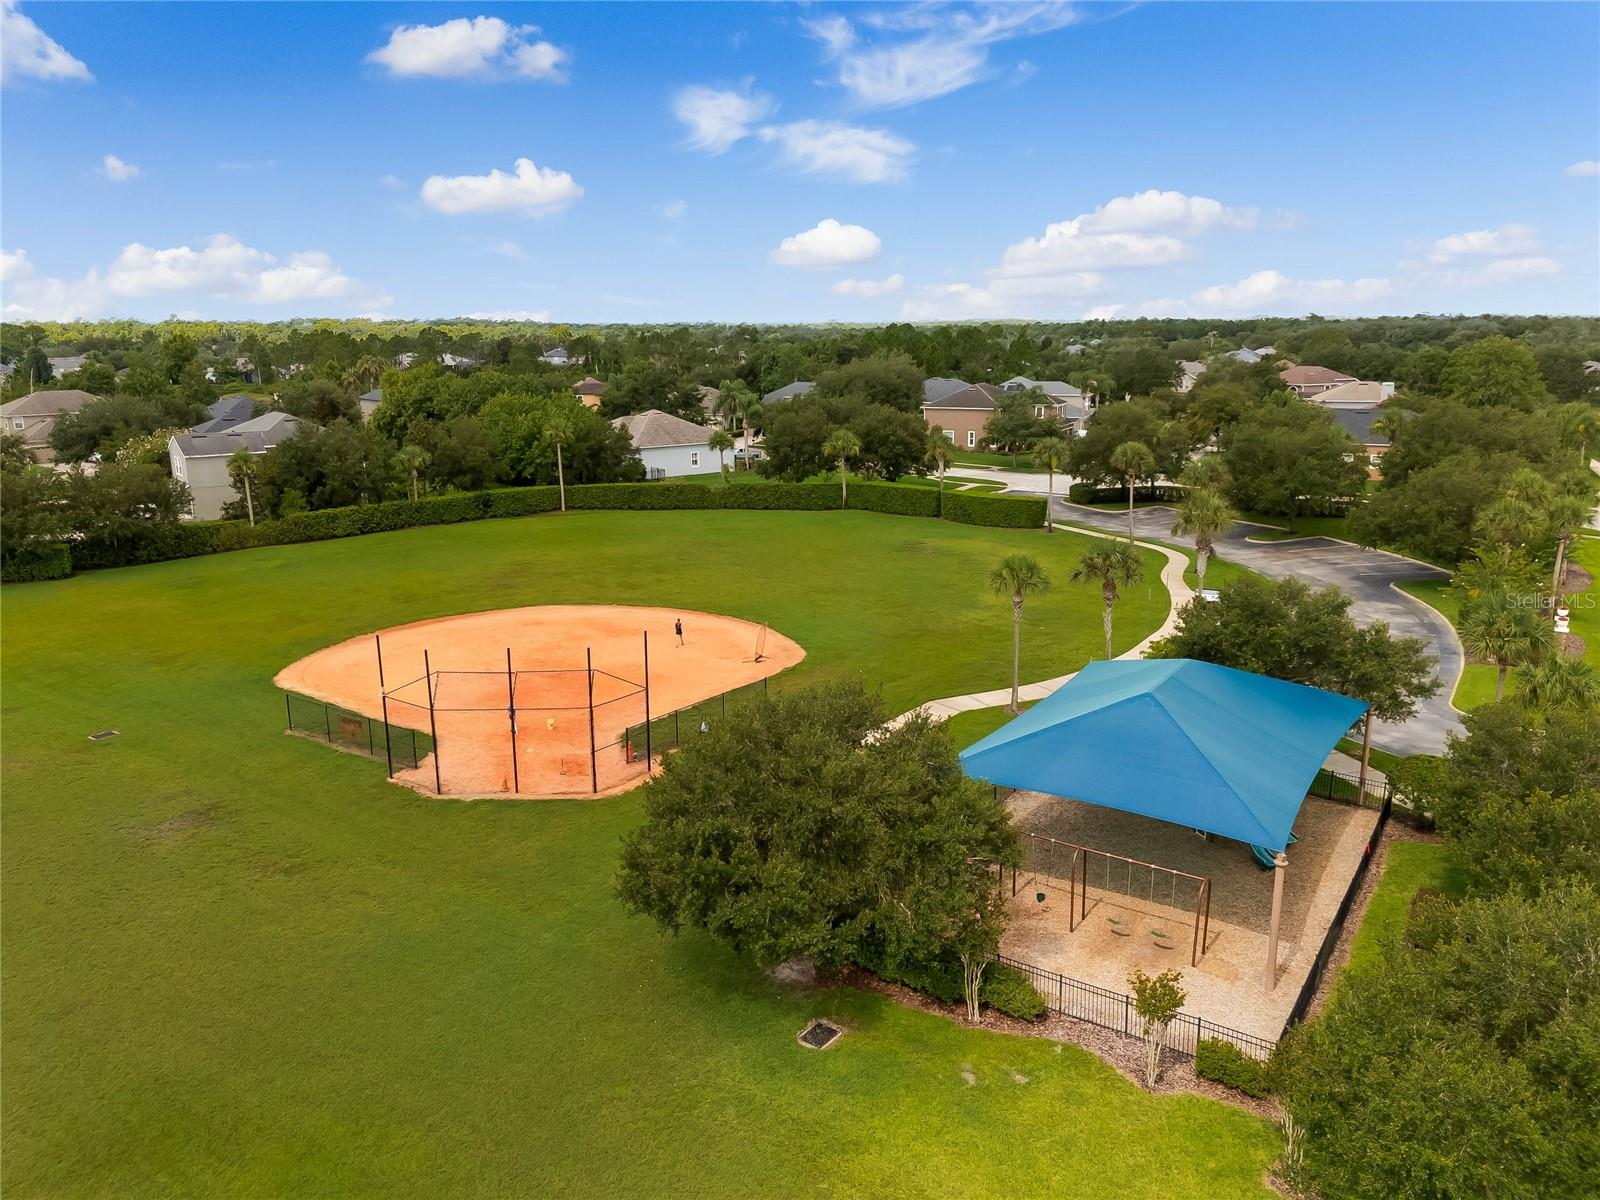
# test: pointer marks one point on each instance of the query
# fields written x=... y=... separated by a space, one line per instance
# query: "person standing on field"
x=677 y=627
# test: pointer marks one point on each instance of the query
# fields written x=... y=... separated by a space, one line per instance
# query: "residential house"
x=669 y=445
x=589 y=391
x=710 y=397
x=226 y=413
x=368 y=402
x=558 y=357
x=1190 y=373
x=1067 y=405
x=787 y=392
x=1358 y=422
x=1356 y=393
x=960 y=408
x=201 y=459
x=33 y=416
x=1075 y=348
x=66 y=364
x=1243 y=355
x=1308 y=381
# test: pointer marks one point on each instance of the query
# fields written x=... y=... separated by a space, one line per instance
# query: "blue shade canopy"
x=1189 y=742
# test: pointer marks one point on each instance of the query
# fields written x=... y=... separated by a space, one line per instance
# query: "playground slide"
x=1266 y=859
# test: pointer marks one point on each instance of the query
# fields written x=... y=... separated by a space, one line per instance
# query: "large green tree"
x=1288 y=458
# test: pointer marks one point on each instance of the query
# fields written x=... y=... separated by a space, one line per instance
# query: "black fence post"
x=378 y=639
x=388 y=750
x=288 y=711
x=327 y=727
x=647 y=759
x=594 y=768
x=677 y=734
x=511 y=713
x=433 y=729
x=369 y=739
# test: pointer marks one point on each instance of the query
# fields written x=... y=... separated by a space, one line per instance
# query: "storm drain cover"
x=102 y=735
x=819 y=1035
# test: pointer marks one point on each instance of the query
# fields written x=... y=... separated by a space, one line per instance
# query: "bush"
x=997 y=512
x=1152 y=493
x=892 y=498
x=1008 y=990
x=1230 y=1066
x=41 y=560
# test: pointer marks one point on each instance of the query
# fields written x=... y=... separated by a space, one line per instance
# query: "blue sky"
x=655 y=162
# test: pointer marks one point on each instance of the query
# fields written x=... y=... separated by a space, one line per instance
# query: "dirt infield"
x=546 y=750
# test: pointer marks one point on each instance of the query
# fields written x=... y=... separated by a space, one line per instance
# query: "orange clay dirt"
x=472 y=693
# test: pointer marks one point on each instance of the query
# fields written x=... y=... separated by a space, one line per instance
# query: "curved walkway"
x=1368 y=576
x=1179 y=593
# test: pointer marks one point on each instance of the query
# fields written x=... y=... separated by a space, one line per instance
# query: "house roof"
x=62 y=364
x=47 y=403
x=1359 y=393
x=257 y=435
x=1357 y=422
x=788 y=391
x=375 y=396
x=1192 y=369
x=226 y=413
x=1244 y=356
x=589 y=386
x=1197 y=744
x=1308 y=376
x=1054 y=388
x=960 y=395
x=656 y=430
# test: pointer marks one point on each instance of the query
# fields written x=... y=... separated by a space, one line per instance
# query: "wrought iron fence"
x=1346 y=789
x=403 y=748
x=673 y=729
x=1114 y=1010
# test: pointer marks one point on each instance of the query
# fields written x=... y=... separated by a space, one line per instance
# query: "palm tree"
x=1585 y=427
x=1567 y=515
x=1499 y=631
x=1203 y=514
x=367 y=371
x=1508 y=521
x=1557 y=682
x=1017 y=576
x=412 y=459
x=1115 y=565
x=1207 y=471
x=1051 y=454
x=940 y=454
x=842 y=446
x=1092 y=384
x=721 y=441
x=242 y=470
x=1135 y=461
x=1528 y=486
x=748 y=405
x=558 y=432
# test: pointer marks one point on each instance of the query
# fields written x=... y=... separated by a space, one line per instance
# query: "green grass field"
x=241 y=964
x=1584 y=606
x=1410 y=867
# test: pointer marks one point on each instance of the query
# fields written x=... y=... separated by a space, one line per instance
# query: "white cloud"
x=1271 y=293
x=1103 y=312
x=868 y=289
x=1587 y=169
x=1499 y=270
x=538 y=316
x=510 y=249
x=14 y=265
x=475 y=48
x=114 y=169
x=531 y=190
x=827 y=244
x=717 y=118
x=224 y=268
x=948 y=48
x=1507 y=239
x=675 y=210
x=392 y=181
x=27 y=52
x=831 y=148
x=1170 y=210
x=1003 y=296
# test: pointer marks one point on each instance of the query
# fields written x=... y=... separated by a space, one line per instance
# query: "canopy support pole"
x=1279 y=865
x=1366 y=755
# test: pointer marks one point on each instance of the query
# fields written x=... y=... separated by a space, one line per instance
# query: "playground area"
x=554 y=700
x=1158 y=896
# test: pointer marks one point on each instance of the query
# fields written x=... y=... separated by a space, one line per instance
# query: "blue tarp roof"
x=1189 y=742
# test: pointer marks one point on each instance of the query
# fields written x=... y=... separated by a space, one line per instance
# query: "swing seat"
x=1162 y=940
x=1119 y=928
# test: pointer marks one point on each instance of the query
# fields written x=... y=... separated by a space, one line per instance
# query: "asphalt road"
x=1367 y=575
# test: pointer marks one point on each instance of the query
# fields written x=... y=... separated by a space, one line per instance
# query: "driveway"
x=1367 y=575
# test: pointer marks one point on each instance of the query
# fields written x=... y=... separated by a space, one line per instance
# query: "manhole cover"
x=102 y=735
x=819 y=1035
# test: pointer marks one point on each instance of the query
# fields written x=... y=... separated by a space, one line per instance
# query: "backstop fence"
x=671 y=730
x=403 y=747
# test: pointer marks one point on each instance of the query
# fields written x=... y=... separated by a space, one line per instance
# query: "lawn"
x=1476 y=686
x=980 y=458
x=239 y=963
x=1410 y=866
x=1584 y=607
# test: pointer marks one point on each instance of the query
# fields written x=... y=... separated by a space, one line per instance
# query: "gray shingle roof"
x=257 y=436
x=655 y=430
x=960 y=395
x=226 y=413
x=43 y=404
x=1357 y=422
x=787 y=392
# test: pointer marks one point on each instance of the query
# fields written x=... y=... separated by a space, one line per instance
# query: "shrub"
x=1230 y=1066
x=1008 y=990
x=1150 y=493
x=40 y=560
x=891 y=498
x=998 y=512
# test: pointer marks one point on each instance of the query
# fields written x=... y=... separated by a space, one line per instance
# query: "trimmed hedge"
x=192 y=538
x=45 y=560
x=996 y=512
x=1004 y=989
x=1008 y=990
x=1230 y=1066
x=1150 y=493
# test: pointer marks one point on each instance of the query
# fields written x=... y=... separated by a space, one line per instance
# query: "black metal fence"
x=673 y=729
x=1346 y=789
x=401 y=747
x=1330 y=940
x=1114 y=1010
